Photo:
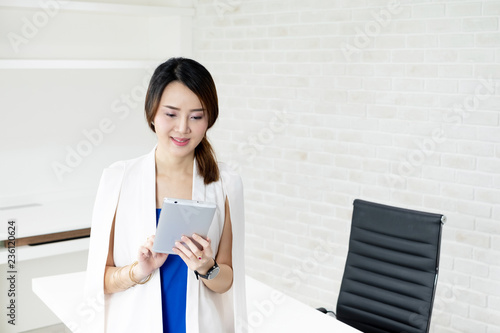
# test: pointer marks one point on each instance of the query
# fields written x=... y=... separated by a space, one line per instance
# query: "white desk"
x=269 y=311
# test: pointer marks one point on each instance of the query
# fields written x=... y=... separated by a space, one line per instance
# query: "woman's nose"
x=182 y=125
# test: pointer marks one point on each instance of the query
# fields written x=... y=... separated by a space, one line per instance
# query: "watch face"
x=213 y=272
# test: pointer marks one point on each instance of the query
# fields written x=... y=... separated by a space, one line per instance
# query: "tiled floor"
x=51 y=329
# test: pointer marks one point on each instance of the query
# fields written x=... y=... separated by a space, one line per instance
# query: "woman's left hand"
x=197 y=257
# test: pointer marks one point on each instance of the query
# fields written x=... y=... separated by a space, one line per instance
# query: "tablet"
x=180 y=217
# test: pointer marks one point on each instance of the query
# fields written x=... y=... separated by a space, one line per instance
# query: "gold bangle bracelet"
x=130 y=275
x=116 y=279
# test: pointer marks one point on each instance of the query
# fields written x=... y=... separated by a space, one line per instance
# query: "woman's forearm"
x=222 y=282
x=118 y=279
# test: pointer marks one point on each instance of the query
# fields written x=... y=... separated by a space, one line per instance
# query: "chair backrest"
x=391 y=269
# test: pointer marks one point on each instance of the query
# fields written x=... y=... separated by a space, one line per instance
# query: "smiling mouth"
x=180 y=141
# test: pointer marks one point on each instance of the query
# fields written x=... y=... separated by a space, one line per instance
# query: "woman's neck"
x=166 y=164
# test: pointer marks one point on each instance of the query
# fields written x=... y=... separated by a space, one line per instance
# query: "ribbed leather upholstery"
x=391 y=269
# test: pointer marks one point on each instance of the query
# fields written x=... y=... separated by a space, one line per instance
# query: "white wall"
x=397 y=102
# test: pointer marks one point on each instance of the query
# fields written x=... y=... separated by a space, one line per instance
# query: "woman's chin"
x=180 y=152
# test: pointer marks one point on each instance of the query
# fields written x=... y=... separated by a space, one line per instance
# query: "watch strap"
x=206 y=276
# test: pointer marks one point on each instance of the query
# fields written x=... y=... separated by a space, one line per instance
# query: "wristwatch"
x=211 y=274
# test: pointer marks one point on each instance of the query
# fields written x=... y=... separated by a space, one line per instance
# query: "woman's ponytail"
x=207 y=163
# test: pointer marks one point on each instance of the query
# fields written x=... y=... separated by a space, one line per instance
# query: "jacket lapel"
x=148 y=198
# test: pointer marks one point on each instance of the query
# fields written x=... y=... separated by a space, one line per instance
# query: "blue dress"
x=173 y=277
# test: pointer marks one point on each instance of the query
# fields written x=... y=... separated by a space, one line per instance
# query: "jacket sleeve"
x=233 y=188
x=102 y=218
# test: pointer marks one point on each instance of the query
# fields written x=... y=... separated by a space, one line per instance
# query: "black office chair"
x=391 y=269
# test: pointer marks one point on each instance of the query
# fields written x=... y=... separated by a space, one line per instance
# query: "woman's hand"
x=148 y=260
x=197 y=255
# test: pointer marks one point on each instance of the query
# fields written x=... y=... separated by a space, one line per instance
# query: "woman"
x=153 y=292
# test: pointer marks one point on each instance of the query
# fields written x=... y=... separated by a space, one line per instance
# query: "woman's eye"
x=171 y=115
x=197 y=117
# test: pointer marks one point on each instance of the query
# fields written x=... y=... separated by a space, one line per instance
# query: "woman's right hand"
x=148 y=260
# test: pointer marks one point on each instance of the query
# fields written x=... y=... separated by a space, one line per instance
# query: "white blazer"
x=128 y=189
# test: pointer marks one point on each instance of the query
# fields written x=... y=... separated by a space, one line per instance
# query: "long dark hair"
x=197 y=78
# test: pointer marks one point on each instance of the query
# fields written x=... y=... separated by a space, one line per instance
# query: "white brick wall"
x=321 y=104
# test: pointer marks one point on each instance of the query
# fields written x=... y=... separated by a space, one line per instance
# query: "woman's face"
x=180 y=121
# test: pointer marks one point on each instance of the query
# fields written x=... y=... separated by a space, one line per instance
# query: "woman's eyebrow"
x=178 y=109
